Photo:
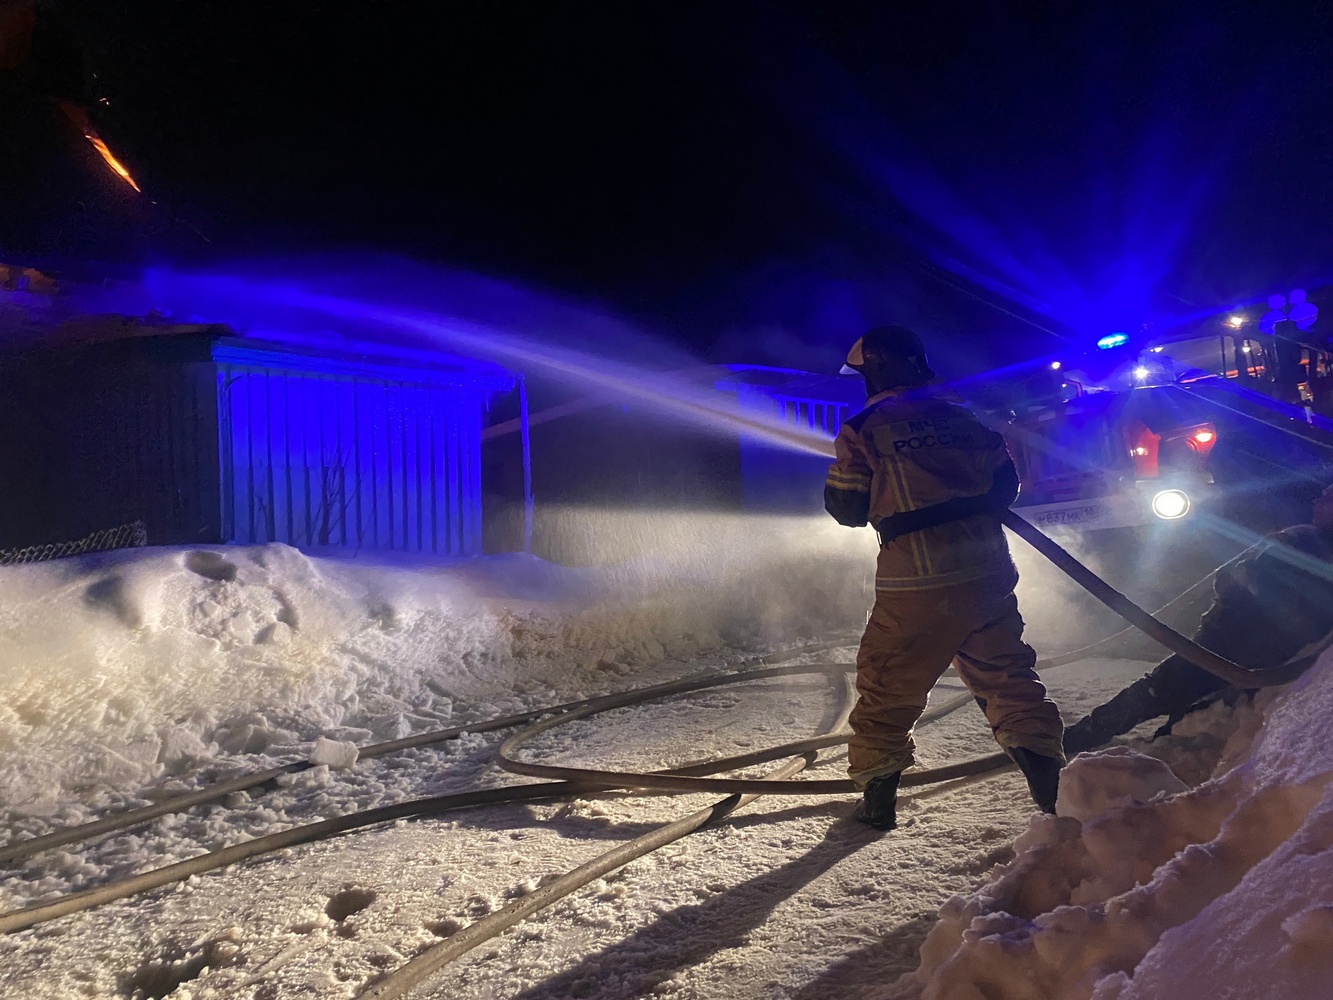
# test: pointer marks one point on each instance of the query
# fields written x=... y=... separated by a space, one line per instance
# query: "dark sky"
x=755 y=175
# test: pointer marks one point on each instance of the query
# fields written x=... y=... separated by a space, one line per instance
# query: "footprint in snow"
x=212 y=565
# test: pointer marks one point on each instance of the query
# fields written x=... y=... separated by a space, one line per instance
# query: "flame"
x=111 y=161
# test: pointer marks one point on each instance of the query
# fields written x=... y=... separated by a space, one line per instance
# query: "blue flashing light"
x=1113 y=340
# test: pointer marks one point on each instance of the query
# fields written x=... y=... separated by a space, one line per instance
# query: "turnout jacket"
x=911 y=459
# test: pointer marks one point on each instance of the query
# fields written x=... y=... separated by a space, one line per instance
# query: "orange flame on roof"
x=111 y=161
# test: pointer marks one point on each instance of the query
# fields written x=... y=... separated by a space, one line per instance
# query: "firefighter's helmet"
x=894 y=350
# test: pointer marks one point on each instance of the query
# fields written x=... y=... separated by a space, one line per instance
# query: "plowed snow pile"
x=1142 y=889
x=120 y=669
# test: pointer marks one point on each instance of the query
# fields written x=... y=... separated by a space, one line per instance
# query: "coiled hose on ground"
x=437 y=805
x=430 y=961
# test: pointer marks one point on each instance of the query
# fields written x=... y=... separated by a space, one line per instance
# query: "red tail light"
x=1201 y=438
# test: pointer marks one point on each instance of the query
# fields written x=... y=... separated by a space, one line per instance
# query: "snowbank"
x=1142 y=888
x=122 y=668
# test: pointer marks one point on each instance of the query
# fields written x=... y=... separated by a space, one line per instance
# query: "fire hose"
x=437 y=956
x=436 y=805
x=20 y=849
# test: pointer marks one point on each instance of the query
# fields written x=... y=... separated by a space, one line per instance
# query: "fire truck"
x=1111 y=459
x=1157 y=431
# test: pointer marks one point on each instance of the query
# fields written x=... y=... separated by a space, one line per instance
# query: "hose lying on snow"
x=19 y=849
x=87 y=899
x=686 y=780
x=434 y=958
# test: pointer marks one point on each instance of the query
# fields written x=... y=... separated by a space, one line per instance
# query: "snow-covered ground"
x=120 y=668
x=128 y=676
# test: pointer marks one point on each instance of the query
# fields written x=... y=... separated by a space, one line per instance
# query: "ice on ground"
x=339 y=755
x=126 y=668
x=1143 y=888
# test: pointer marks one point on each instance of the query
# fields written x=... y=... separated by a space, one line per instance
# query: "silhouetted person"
x=1274 y=600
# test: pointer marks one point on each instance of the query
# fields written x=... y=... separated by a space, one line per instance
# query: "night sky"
x=756 y=177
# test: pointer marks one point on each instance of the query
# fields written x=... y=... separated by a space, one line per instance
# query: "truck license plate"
x=1074 y=515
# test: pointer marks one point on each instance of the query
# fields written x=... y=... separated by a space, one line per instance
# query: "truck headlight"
x=1171 y=504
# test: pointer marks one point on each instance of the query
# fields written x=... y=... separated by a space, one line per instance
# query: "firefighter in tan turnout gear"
x=932 y=481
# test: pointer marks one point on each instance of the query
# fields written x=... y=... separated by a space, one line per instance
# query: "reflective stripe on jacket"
x=909 y=450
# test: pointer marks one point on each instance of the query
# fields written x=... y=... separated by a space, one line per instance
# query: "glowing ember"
x=111 y=161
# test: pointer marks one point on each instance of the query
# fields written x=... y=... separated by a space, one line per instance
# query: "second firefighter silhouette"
x=933 y=482
x=1269 y=603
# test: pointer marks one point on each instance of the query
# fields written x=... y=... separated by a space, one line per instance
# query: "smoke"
x=783 y=576
x=262 y=297
x=786 y=576
x=1153 y=565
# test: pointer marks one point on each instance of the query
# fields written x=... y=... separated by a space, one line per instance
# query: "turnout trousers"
x=912 y=637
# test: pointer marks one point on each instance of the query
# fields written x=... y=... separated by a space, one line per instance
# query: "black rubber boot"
x=879 y=803
x=1043 y=775
x=1172 y=687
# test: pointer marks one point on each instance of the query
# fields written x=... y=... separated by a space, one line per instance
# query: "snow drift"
x=118 y=669
x=1143 y=888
